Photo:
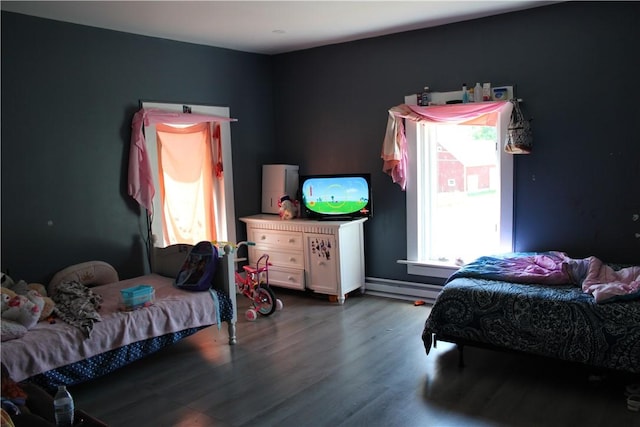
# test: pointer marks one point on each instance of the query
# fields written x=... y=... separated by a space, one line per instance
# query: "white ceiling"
x=268 y=27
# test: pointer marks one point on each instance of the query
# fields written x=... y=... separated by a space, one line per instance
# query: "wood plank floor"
x=361 y=364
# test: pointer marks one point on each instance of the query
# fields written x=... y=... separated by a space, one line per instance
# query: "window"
x=214 y=215
x=459 y=195
x=186 y=182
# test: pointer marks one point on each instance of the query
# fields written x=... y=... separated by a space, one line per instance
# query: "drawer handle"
x=263 y=237
x=292 y=240
x=290 y=278
x=292 y=259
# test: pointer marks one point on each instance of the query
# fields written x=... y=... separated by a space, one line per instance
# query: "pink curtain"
x=185 y=178
x=140 y=176
x=394 y=146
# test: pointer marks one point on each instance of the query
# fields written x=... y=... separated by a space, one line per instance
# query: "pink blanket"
x=50 y=346
x=556 y=268
x=603 y=282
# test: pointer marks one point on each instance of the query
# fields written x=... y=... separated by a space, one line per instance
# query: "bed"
x=57 y=353
x=545 y=304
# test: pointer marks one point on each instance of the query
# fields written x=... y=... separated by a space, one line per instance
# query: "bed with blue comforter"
x=543 y=304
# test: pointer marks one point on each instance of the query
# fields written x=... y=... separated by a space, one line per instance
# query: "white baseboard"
x=401 y=289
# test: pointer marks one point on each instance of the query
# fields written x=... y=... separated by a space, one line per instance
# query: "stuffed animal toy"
x=8 y=292
x=49 y=304
x=10 y=328
x=288 y=208
x=24 y=310
x=11 y=288
x=19 y=287
x=19 y=314
x=4 y=300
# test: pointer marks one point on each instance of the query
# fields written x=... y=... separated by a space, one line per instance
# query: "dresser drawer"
x=281 y=239
x=286 y=277
x=290 y=259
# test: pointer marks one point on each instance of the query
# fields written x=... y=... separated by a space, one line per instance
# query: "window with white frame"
x=459 y=195
x=187 y=192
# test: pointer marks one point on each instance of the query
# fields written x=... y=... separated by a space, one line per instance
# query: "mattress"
x=47 y=347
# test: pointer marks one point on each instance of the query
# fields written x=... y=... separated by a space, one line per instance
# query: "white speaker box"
x=278 y=180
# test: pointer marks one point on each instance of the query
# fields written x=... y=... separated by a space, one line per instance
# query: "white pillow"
x=12 y=330
x=90 y=273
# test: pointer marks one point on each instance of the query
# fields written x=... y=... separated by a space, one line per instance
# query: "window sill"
x=440 y=270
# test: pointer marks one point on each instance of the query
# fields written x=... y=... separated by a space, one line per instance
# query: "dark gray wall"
x=68 y=95
x=575 y=65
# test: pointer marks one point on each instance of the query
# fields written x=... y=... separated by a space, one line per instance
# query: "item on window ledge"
x=425 y=98
x=486 y=92
x=500 y=93
x=465 y=94
x=477 y=93
x=520 y=134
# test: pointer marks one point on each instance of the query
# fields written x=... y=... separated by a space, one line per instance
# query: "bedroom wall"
x=68 y=95
x=69 y=91
x=574 y=65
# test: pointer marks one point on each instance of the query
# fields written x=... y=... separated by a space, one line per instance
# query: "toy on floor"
x=255 y=285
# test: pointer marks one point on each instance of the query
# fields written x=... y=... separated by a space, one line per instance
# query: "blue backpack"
x=199 y=268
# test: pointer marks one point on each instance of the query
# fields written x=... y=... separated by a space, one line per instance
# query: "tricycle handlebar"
x=234 y=246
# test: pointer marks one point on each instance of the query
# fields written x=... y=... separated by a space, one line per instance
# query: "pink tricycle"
x=255 y=285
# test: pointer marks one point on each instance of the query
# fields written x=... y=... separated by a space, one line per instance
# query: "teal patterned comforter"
x=559 y=321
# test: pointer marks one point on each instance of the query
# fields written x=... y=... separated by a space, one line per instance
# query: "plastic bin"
x=137 y=297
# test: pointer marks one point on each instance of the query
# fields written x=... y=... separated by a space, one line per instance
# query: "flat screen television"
x=336 y=197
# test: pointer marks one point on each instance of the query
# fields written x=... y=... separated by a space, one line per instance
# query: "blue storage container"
x=137 y=297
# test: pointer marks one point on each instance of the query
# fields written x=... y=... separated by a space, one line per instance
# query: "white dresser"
x=324 y=256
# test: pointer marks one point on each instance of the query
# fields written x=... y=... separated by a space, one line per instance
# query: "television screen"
x=337 y=197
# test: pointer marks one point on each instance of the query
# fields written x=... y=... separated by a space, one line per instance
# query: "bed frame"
x=168 y=260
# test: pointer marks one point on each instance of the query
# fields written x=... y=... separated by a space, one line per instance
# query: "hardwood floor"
x=361 y=364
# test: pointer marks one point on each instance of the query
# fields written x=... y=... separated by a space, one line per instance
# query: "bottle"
x=465 y=94
x=426 y=98
x=477 y=93
x=486 y=92
x=63 y=406
x=472 y=98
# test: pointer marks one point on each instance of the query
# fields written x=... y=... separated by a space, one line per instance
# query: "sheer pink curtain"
x=140 y=185
x=186 y=173
x=394 y=146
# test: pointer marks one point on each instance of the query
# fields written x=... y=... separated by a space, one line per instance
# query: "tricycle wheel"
x=251 y=315
x=265 y=300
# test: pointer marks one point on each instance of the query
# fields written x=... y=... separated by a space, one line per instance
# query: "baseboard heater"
x=400 y=289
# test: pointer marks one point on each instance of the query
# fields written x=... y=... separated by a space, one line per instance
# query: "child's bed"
x=59 y=353
x=542 y=309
